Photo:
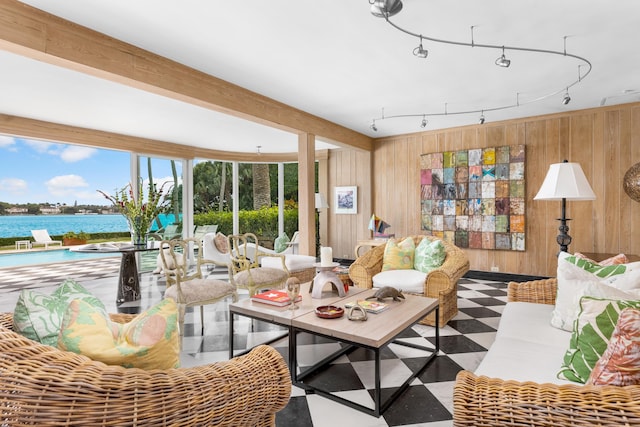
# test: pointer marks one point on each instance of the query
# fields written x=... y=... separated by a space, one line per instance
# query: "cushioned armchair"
x=440 y=283
x=41 y=385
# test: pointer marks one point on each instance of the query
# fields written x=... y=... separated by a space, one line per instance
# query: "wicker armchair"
x=440 y=283
x=43 y=386
x=483 y=401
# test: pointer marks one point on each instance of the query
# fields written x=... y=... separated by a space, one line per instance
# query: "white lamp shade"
x=565 y=181
x=321 y=202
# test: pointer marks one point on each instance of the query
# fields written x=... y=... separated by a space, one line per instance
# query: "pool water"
x=47 y=257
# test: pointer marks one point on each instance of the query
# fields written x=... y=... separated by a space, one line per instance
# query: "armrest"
x=363 y=269
x=483 y=401
x=446 y=277
x=537 y=291
x=270 y=255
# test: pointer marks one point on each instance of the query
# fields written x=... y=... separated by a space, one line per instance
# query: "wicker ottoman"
x=300 y=266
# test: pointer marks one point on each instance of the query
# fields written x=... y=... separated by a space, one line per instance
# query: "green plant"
x=79 y=236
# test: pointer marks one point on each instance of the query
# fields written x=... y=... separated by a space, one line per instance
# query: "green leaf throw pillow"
x=398 y=255
x=280 y=244
x=597 y=269
x=591 y=334
x=150 y=341
x=429 y=254
x=38 y=316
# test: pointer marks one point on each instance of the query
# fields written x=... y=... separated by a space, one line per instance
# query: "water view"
x=21 y=225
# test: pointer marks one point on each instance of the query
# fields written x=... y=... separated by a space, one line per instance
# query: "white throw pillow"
x=575 y=282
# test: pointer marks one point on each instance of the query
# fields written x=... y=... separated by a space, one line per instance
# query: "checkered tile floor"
x=427 y=402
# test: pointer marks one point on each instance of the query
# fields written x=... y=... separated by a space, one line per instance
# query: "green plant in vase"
x=139 y=212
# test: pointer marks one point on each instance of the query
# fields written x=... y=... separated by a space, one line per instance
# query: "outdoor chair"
x=245 y=272
x=41 y=237
x=185 y=283
x=200 y=230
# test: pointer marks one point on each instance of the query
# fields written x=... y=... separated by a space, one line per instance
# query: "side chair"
x=185 y=283
x=244 y=267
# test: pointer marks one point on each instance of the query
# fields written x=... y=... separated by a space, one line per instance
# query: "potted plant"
x=72 y=238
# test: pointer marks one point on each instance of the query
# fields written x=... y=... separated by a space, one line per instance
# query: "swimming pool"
x=47 y=257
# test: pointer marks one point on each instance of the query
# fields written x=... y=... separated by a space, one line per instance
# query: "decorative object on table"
x=631 y=182
x=326 y=275
x=293 y=291
x=356 y=312
x=475 y=198
x=329 y=312
x=138 y=212
x=346 y=200
x=326 y=256
x=274 y=297
x=387 y=292
x=374 y=307
x=377 y=226
x=565 y=181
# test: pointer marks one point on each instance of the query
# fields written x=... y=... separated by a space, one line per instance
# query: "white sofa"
x=516 y=382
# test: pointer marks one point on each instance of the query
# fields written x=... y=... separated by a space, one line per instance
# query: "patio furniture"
x=185 y=283
x=41 y=237
x=20 y=244
x=245 y=272
x=41 y=385
x=211 y=253
x=440 y=283
x=169 y=232
x=200 y=230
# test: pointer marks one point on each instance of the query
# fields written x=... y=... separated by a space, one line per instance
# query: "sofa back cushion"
x=38 y=316
x=398 y=255
x=429 y=254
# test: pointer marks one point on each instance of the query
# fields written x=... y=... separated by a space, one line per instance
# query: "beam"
x=33 y=33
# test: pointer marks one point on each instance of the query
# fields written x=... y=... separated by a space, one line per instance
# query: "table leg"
x=129 y=283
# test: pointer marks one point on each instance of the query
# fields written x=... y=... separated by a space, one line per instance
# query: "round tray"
x=329 y=312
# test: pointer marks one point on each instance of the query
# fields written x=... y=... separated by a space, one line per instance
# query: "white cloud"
x=75 y=153
x=41 y=146
x=7 y=142
x=13 y=185
x=65 y=185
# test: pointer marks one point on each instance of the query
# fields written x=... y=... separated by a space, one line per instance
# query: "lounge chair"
x=201 y=230
x=41 y=237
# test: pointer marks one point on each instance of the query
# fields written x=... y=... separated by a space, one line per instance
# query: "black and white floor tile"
x=427 y=401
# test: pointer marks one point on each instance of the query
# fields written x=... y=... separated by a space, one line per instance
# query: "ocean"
x=21 y=225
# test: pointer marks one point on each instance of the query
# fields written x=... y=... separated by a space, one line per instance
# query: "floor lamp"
x=565 y=181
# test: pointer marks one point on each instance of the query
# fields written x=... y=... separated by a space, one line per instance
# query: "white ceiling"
x=333 y=59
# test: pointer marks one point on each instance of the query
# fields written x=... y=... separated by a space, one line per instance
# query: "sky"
x=46 y=172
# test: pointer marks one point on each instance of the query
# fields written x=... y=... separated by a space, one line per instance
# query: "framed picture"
x=346 y=201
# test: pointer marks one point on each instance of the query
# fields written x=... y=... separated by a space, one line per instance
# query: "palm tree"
x=261 y=186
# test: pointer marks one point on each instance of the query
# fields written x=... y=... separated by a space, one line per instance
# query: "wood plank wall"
x=605 y=141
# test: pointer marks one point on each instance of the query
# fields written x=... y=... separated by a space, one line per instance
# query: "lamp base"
x=563 y=237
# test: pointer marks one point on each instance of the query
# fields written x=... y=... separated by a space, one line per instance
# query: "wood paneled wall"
x=605 y=141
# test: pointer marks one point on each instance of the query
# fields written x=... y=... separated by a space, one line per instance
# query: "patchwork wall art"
x=475 y=198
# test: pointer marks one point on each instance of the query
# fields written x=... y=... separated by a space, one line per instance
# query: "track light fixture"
x=503 y=61
x=387 y=8
x=419 y=51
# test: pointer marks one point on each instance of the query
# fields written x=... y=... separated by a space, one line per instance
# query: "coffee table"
x=374 y=334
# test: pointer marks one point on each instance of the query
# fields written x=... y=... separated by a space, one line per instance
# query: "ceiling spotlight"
x=373 y=126
x=419 y=51
x=424 y=122
x=503 y=61
x=385 y=8
x=481 y=121
x=566 y=99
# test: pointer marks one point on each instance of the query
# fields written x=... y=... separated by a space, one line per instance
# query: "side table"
x=326 y=275
x=23 y=243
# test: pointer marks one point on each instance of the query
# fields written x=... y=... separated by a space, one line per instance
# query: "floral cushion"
x=620 y=363
x=575 y=282
x=429 y=254
x=591 y=334
x=222 y=245
x=38 y=316
x=398 y=255
x=614 y=260
x=150 y=341
x=599 y=270
x=280 y=244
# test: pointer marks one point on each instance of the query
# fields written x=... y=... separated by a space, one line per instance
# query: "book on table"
x=274 y=297
x=369 y=305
